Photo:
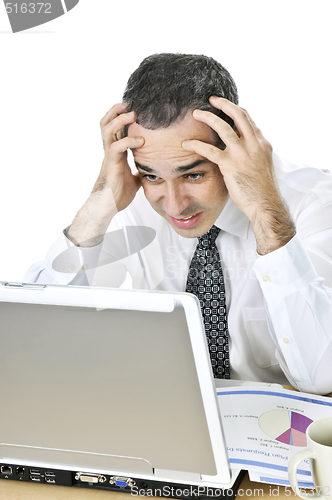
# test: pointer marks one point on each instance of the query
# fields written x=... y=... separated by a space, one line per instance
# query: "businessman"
x=248 y=233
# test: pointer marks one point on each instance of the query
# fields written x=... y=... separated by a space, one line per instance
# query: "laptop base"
x=136 y=487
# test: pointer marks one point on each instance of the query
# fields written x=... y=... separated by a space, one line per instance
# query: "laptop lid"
x=118 y=381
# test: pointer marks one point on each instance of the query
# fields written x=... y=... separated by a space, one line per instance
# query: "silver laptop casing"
x=109 y=381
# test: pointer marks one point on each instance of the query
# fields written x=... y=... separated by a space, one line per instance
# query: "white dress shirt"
x=279 y=305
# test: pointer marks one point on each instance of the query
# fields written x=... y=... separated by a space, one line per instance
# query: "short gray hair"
x=166 y=86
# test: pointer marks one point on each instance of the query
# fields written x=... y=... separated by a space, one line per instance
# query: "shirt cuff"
x=284 y=270
x=65 y=260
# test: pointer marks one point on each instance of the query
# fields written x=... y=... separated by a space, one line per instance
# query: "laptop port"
x=90 y=478
x=35 y=477
x=35 y=471
x=49 y=473
x=50 y=480
x=20 y=471
x=6 y=469
x=122 y=482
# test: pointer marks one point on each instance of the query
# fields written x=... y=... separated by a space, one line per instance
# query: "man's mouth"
x=186 y=222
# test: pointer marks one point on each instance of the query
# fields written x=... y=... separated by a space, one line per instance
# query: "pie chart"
x=285 y=426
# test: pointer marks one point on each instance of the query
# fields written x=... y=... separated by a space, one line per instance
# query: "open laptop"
x=109 y=389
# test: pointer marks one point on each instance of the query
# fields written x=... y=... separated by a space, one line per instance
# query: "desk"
x=13 y=490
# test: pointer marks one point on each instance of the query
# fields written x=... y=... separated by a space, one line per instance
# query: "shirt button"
x=286 y=340
x=71 y=266
x=85 y=267
x=266 y=277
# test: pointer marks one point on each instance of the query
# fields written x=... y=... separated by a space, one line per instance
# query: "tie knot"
x=208 y=239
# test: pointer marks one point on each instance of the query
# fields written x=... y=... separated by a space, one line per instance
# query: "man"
x=205 y=168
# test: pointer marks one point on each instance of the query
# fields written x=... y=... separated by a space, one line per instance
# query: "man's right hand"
x=115 y=187
x=115 y=172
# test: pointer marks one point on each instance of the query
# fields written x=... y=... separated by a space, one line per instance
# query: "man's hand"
x=115 y=187
x=115 y=172
x=247 y=167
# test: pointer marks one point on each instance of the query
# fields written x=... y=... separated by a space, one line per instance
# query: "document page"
x=265 y=427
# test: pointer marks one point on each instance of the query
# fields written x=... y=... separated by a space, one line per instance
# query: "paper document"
x=264 y=427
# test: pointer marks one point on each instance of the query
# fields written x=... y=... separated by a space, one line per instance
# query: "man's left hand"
x=247 y=167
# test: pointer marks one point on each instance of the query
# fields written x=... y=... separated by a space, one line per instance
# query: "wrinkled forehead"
x=166 y=143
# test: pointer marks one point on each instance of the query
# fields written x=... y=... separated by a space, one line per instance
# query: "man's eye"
x=150 y=178
x=195 y=177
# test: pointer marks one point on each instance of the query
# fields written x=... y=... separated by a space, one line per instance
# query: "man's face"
x=182 y=186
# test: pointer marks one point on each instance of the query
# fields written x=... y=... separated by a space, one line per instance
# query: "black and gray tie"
x=206 y=281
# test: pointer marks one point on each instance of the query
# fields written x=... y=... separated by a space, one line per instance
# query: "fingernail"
x=138 y=139
x=197 y=112
x=185 y=144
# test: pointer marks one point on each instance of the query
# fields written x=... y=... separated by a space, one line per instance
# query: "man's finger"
x=252 y=123
x=212 y=153
x=223 y=129
x=258 y=132
x=112 y=129
x=239 y=116
x=118 y=148
x=116 y=110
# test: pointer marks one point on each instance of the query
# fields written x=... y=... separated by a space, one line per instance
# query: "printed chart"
x=285 y=426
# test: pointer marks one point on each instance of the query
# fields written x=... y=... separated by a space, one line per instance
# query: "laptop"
x=109 y=389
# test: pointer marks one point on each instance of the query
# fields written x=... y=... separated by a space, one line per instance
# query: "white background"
x=59 y=79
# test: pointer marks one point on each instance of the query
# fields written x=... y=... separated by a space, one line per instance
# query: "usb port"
x=50 y=480
x=50 y=473
x=35 y=471
x=34 y=477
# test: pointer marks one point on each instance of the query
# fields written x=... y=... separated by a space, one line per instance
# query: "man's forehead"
x=165 y=144
x=174 y=134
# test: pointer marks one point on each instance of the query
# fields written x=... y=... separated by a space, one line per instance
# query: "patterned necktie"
x=206 y=281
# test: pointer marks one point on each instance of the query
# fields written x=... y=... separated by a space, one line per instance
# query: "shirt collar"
x=232 y=220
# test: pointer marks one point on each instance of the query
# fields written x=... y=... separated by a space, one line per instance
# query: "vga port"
x=122 y=482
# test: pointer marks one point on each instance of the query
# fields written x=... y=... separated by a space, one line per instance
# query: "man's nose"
x=175 y=201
